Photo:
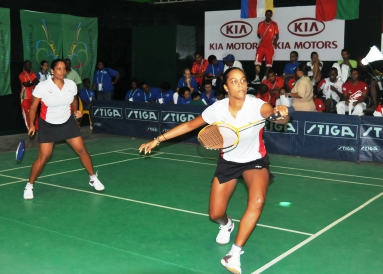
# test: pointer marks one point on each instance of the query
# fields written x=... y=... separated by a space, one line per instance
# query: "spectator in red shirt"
x=274 y=83
x=354 y=95
x=198 y=68
x=263 y=93
x=268 y=33
x=28 y=81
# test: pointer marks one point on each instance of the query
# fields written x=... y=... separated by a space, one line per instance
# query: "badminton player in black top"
x=248 y=159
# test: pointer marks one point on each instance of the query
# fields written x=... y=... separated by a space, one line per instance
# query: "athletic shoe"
x=256 y=81
x=97 y=184
x=232 y=262
x=91 y=127
x=28 y=192
x=223 y=236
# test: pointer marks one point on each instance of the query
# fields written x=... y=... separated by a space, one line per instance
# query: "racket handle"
x=275 y=116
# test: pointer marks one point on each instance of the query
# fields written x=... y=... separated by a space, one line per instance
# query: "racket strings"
x=211 y=137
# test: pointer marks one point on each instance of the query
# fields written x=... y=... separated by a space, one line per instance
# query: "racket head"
x=218 y=136
x=20 y=151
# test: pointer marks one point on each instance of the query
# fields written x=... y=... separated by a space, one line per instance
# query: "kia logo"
x=306 y=27
x=236 y=29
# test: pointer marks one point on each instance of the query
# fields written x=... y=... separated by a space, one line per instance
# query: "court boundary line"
x=320 y=232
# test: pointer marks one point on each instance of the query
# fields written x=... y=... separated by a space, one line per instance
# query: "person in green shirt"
x=196 y=99
x=71 y=74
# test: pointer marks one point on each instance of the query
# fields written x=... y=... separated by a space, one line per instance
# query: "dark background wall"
x=117 y=17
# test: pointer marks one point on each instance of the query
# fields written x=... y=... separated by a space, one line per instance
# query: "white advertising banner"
x=226 y=32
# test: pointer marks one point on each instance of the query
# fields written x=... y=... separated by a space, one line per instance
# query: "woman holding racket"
x=248 y=158
x=58 y=99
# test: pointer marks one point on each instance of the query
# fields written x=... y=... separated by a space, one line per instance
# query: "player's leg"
x=25 y=105
x=45 y=153
x=260 y=54
x=79 y=147
x=269 y=54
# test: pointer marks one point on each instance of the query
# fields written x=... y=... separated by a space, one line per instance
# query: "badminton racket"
x=21 y=149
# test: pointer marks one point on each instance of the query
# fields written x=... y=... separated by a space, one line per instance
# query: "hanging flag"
x=327 y=10
x=255 y=8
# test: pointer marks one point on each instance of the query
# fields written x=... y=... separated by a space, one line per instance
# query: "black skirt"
x=49 y=133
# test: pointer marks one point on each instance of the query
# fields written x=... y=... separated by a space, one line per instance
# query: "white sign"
x=226 y=32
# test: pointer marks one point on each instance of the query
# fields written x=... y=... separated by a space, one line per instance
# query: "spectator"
x=263 y=93
x=332 y=90
x=230 y=62
x=44 y=73
x=344 y=66
x=135 y=94
x=185 y=96
x=283 y=99
x=268 y=33
x=354 y=95
x=71 y=74
x=219 y=94
x=103 y=82
x=196 y=100
x=214 y=72
x=87 y=95
x=186 y=81
x=315 y=74
x=319 y=105
x=208 y=96
x=198 y=68
x=274 y=83
x=165 y=96
x=289 y=70
x=149 y=93
x=379 y=111
x=28 y=81
x=302 y=93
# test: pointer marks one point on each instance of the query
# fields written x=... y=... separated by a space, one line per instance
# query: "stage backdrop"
x=226 y=32
x=5 y=52
x=48 y=36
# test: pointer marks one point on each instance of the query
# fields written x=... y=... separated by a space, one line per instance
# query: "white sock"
x=92 y=177
x=229 y=222
x=236 y=248
x=29 y=185
x=256 y=77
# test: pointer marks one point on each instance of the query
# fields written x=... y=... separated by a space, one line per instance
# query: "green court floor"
x=152 y=216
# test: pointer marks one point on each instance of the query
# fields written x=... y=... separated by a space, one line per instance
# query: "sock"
x=229 y=222
x=236 y=248
x=92 y=177
x=29 y=185
x=256 y=77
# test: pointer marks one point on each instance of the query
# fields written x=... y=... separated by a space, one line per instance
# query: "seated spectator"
x=198 y=68
x=263 y=93
x=274 y=83
x=208 y=94
x=135 y=94
x=354 y=95
x=184 y=96
x=283 y=99
x=196 y=99
x=303 y=92
x=289 y=70
x=44 y=73
x=379 y=111
x=315 y=74
x=344 y=66
x=149 y=93
x=187 y=81
x=165 y=96
x=230 y=62
x=87 y=95
x=332 y=90
x=319 y=105
x=219 y=94
x=214 y=72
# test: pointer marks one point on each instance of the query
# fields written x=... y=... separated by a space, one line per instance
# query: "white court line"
x=288 y=252
x=288 y=174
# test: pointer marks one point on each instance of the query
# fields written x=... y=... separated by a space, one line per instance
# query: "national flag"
x=327 y=10
x=255 y=8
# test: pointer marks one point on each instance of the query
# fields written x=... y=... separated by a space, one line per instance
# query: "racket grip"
x=275 y=116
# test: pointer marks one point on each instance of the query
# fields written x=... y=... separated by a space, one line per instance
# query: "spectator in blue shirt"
x=289 y=70
x=214 y=71
x=103 y=82
x=135 y=94
x=44 y=73
x=86 y=94
x=207 y=95
x=150 y=94
x=165 y=96
x=184 y=96
x=187 y=81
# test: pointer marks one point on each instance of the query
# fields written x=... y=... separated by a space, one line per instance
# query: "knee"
x=215 y=215
x=44 y=158
x=81 y=151
x=256 y=204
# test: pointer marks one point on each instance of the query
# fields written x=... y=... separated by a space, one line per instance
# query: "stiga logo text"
x=141 y=114
x=346 y=148
x=371 y=131
x=177 y=117
x=289 y=128
x=369 y=148
x=331 y=130
x=107 y=112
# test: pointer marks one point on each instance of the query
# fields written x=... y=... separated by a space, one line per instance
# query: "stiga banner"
x=42 y=37
x=371 y=139
x=80 y=36
x=5 y=52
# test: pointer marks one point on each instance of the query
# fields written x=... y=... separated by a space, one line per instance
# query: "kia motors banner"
x=5 y=52
x=226 y=32
x=371 y=139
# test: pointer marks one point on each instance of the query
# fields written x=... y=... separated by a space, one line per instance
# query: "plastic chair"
x=84 y=111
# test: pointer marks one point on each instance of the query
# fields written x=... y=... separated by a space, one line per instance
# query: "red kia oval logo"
x=306 y=27
x=236 y=29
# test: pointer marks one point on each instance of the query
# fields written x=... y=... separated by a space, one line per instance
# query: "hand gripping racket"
x=223 y=136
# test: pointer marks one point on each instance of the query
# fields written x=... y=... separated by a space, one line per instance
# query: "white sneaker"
x=223 y=236
x=256 y=81
x=28 y=192
x=232 y=262
x=97 y=184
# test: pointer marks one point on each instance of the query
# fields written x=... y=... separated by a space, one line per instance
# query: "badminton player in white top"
x=248 y=159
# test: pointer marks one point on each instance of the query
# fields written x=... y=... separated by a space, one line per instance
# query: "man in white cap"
x=230 y=62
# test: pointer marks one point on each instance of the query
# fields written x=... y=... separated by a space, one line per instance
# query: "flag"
x=255 y=8
x=327 y=10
